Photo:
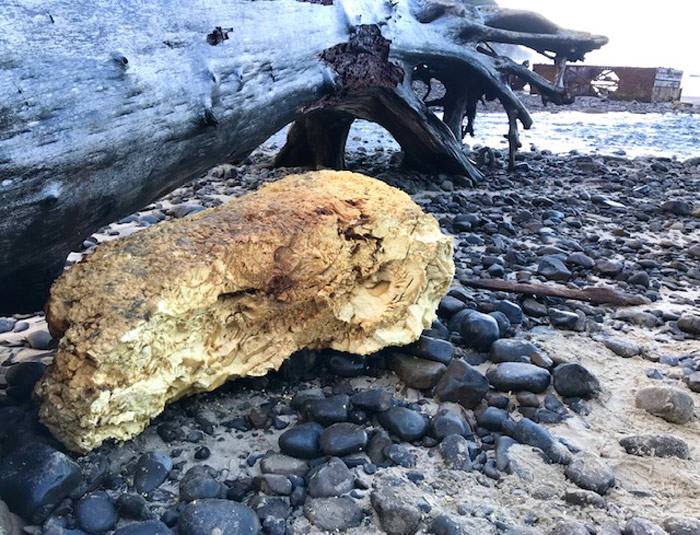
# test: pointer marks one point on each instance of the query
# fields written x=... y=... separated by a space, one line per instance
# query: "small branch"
x=596 y=295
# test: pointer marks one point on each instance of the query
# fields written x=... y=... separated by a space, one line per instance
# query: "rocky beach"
x=515 y=414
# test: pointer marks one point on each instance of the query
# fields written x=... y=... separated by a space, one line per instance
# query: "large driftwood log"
x=322 y=260
x=104 y=106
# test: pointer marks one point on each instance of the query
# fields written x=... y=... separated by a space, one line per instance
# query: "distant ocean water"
x=671 y=134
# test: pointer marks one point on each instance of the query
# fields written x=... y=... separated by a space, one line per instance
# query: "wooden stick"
x=596 y=295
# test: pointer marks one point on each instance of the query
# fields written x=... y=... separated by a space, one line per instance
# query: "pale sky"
x=642 y=33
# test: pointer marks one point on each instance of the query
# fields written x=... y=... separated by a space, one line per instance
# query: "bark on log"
x=106 y=106
x=323 y=260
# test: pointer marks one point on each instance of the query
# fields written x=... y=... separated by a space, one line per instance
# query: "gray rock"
x=343 y=439
x=552 y=268
x=623 y=348
x=609 y=528
x=676 y=207
x=151 y=470
x=35 y=478
x=689 y=323
x=331 y=479
x=563 y=319
x=223 y=517
x=512 y=350
x=693 y=381
x=462 y=384
x=608 y=268
x=575 y=381
x=455 y=452
x=640 y=526
x=333 y=514
x=656 y=445
x=454 y=525
x=517 y=376
x=397 y=515
x=40 y=340
x=642 y=319
x=407 y=424
x=569 y=527
x=416 y=372
x=7 y=324
x=183 y=210
x=682 y=525
x=528 y=432
x=584 y=498
x=479 y=330
x=449 y=422
x=276 y=463
x=580 y=260
x=590 y=473
x=671 y=404
x=274 y=484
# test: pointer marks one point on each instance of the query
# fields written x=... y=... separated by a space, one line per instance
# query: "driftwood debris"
x=114 y=104
x=596 y=295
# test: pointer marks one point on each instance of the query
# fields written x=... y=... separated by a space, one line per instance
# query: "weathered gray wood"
x=106 y=105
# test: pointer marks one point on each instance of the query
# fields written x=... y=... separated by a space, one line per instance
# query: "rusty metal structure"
x=644 y=84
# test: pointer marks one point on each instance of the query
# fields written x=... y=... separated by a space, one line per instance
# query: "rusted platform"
x=644 y=84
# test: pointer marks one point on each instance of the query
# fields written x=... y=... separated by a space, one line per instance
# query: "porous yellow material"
x=320 y=260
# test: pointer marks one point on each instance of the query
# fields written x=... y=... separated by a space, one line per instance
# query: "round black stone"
x=343 y=439
x=302 y=441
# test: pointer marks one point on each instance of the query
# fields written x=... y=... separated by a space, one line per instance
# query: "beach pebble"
x=35 y=478
x=416 y=372
x=512 y=311
x=563 y=319
x=640 y=526
x=462 y=384
x=518 y=376
x=151 y=470
x=671 y=404
x=151 y=527
x=432 y=349
x=479 y=330
x=275 y=463
x=682 y=525
x=7 y=324
x=623 y=348
x=552 y=268
x=95 y=513
x=404 y=423
x=331 y=479
x=455 y=451
x=590 y=473
x=274 y=484
x=302 y=440
x=347 y=364
x=198 y=484
x=22 y=377
x=657 y=445
x=374 y=400
x=569 y=527
x=333 y=514
x=133 y=506
x=575 y=381
x=328 y=411
x=449 y=422
x=40 y=339
x=342 y=439
x=397 y=515
x=512 y=350
x=223 y=517
x=689 y=323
